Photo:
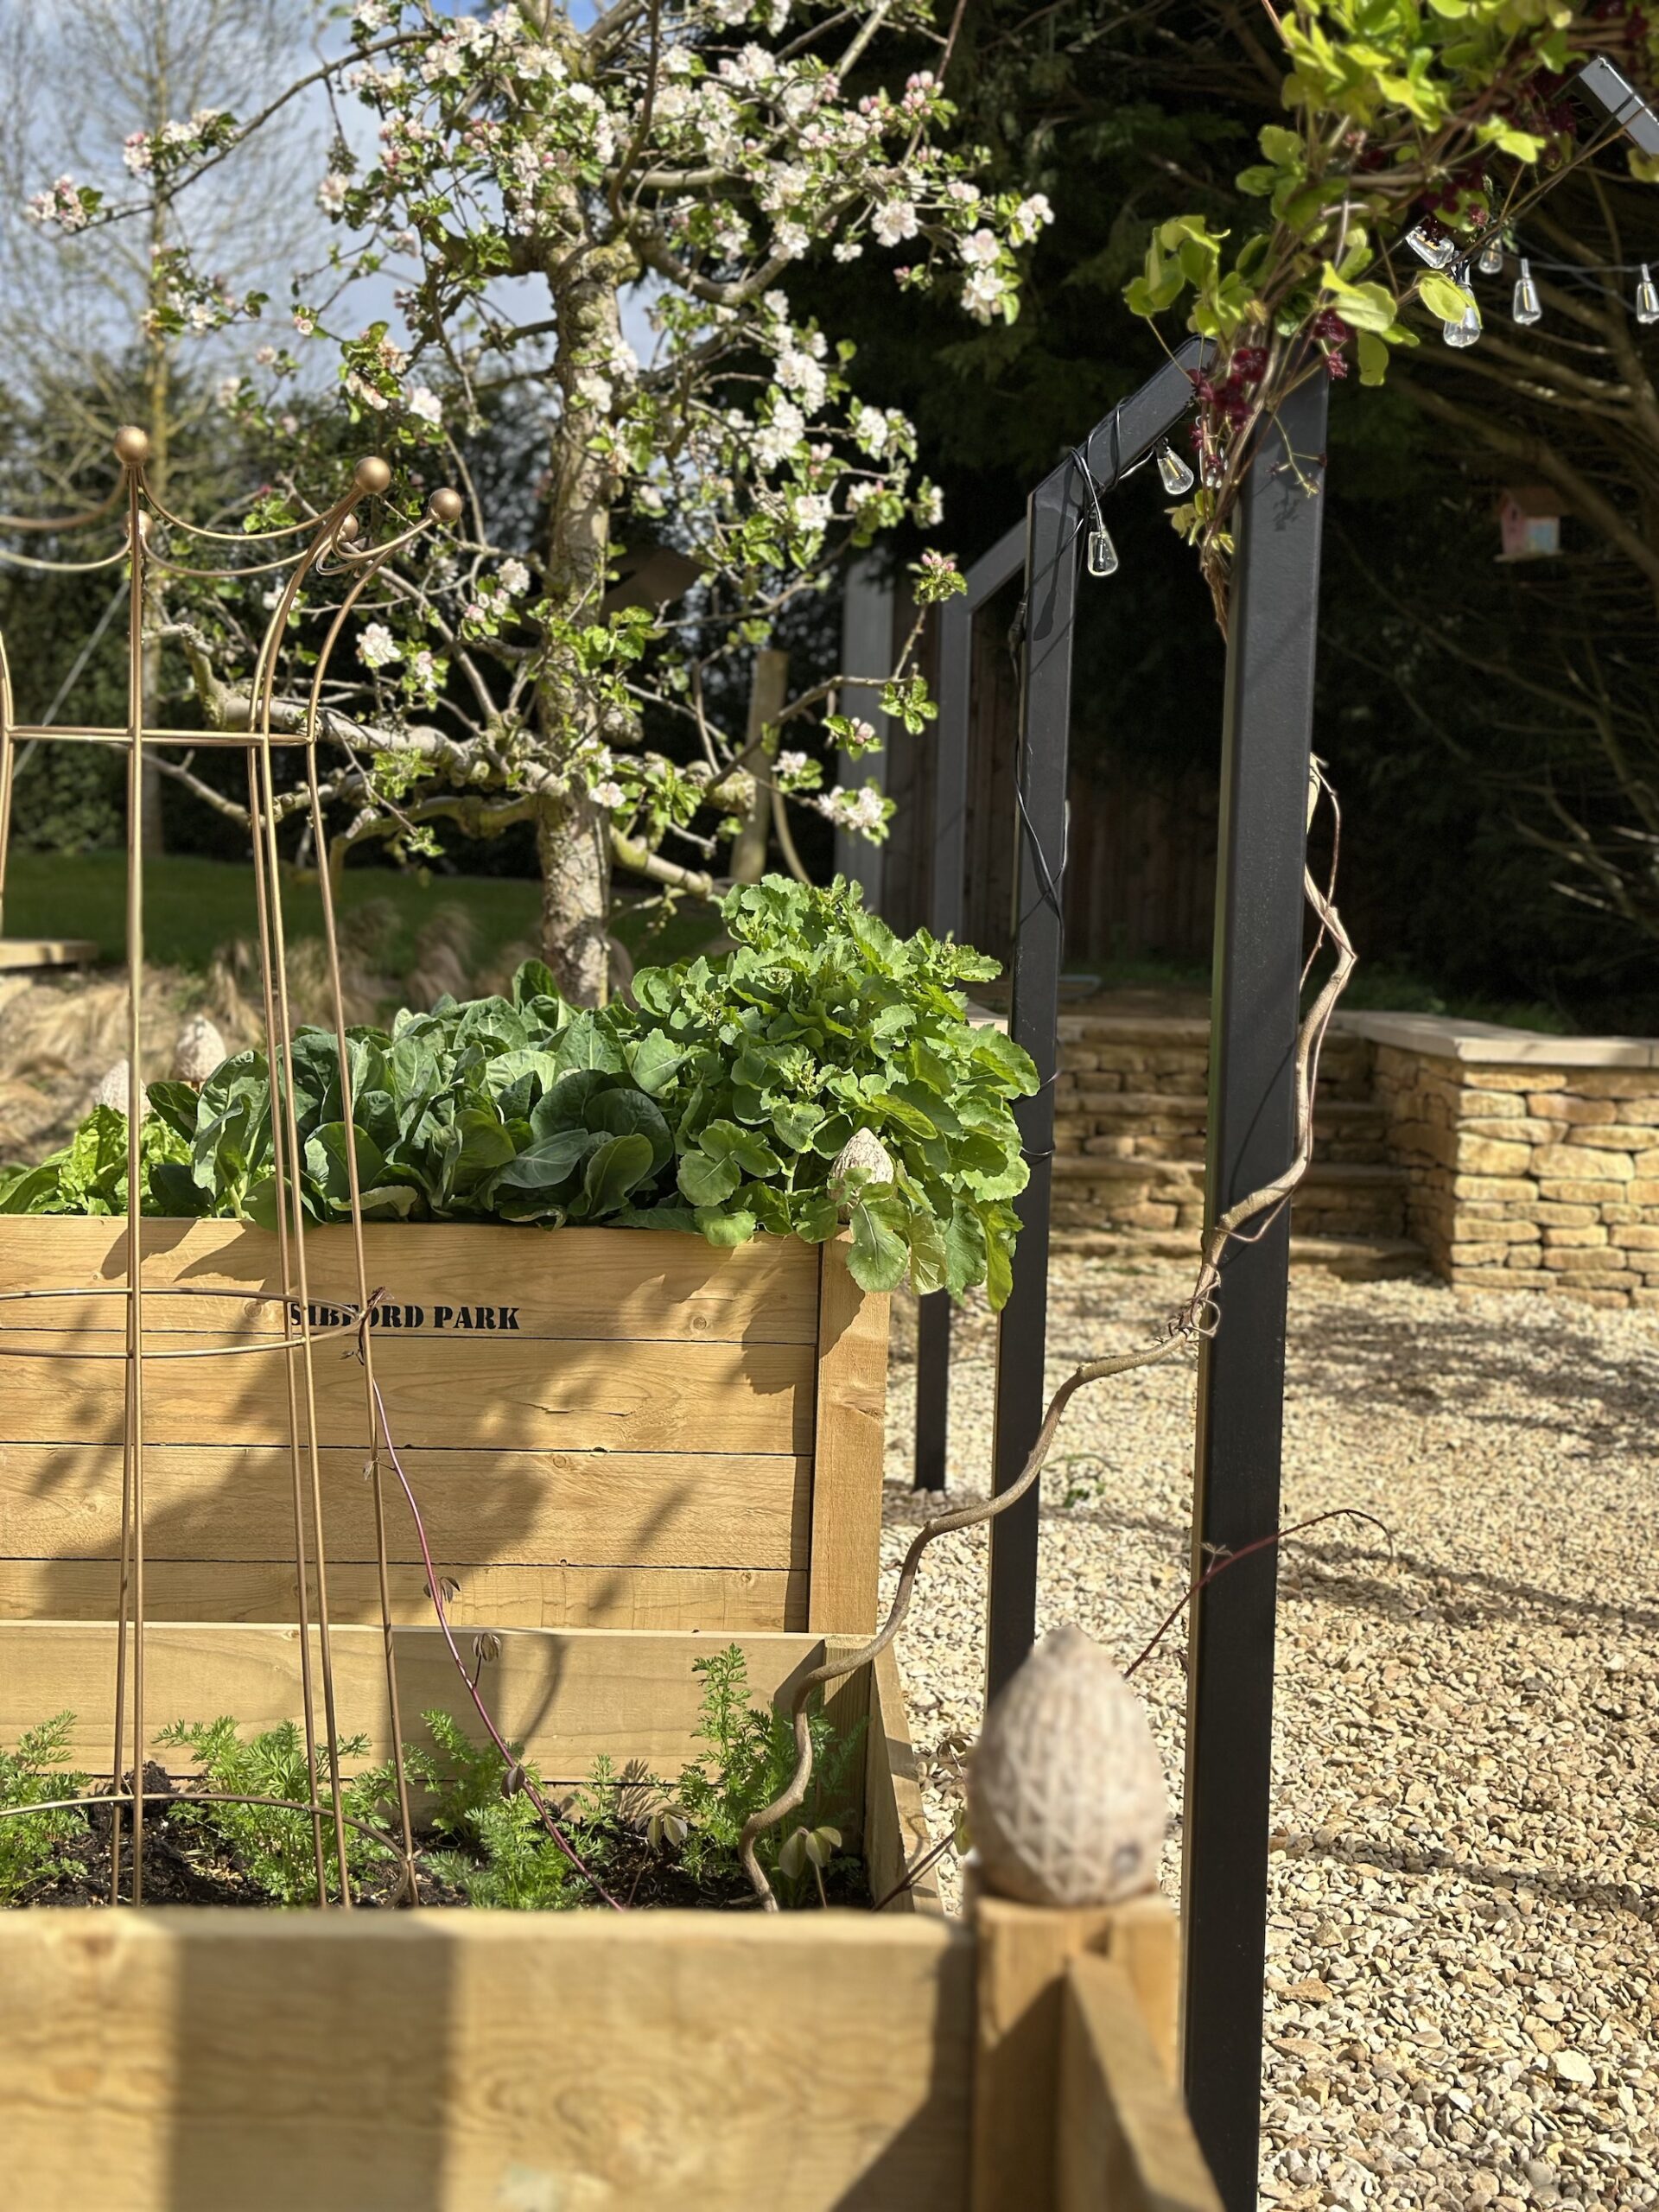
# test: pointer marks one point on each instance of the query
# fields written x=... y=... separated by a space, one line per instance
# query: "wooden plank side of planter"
x=895 y=1824
x=1123 y=2138
x=576 y=1283
x=849 y=1449
x=183 y=2062
x=566 y=1695
x=654 y=1431
x=62 y=1501
x=539 y=1596
x=641 y=1395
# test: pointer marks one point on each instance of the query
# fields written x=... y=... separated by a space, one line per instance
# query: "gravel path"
x=1462 y=1972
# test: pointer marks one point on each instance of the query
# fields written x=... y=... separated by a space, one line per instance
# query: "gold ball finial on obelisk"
x=346 y=528
x=131 y=445
x=371 y=473
x=445 y=507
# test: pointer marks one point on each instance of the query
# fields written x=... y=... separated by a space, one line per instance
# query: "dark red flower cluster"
x=1329 y=328
x=1470 y=178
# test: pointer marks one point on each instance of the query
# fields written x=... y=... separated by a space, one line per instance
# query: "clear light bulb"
x=1465 y=330
x=1102 y=554
x=1528 y=306
x=1176 y=476
x=1491 y=258
x=1647 y=298
x=1435 y=251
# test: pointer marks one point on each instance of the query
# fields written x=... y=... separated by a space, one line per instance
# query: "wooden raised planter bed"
x=604 y=1427
x=175 y=2060
x=663 y=1434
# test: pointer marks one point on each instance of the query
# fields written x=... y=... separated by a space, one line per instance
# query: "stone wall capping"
x=1449 y=1037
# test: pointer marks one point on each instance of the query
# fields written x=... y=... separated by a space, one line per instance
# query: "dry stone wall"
x=1131 y=1105
x=1532 y=1163
x=1502 y=1160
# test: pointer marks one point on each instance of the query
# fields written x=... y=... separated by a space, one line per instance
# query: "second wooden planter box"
x=604 y=1427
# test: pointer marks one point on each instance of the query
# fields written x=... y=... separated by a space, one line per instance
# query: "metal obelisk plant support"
x=329 y=548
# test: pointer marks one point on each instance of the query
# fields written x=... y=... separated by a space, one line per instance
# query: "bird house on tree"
x=1529 y=518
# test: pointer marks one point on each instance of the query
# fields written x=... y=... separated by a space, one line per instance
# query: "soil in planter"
x=233 y=1832
x=186 y=1863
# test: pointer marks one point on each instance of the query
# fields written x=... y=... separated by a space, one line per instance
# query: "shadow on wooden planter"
x=604 y=1427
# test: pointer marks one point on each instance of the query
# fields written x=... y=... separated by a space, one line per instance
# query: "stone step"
x=1188 y=1174
x=1077 y=1093
x=1358 y=1259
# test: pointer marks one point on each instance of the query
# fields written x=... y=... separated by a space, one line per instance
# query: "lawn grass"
x=194 y=906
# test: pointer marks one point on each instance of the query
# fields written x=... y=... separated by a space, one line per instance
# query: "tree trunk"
x=768 y=692
x=573 y=842
x=573 y=835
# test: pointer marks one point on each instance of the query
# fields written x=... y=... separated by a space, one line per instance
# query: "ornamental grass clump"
x=717 y=1097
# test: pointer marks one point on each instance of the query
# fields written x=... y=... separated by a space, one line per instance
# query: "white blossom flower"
x=136 y=152
x=979 y=249
x=870 y=428
x=813 y=510
x=791 y=764
x=849 y=249
x=422 y=402
x=331 y=192
x=1029 y=218
x=370 y=395
x=775 y=440
x=864 y=809
x=514 y=577
x=371 y=15
x=226 y=392
x=609 y=794
x=983 y=294
x=265 y=355
x=376 y=648
x=305 y=323
x=798 y=372
x=894 y=221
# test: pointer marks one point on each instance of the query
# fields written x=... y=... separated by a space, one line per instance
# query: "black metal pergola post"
x=1267 y=725
x=1267 y=730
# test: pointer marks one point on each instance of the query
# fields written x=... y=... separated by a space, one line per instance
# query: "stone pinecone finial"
x=112 y=1089
x=863 y=1151
x=1065 y=1795
x=200 y=1049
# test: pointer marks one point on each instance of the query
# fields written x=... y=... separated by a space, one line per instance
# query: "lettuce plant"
x=717 y=1097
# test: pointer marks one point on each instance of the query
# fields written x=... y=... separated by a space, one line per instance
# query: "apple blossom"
x=534 y=170
x=376 y=648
